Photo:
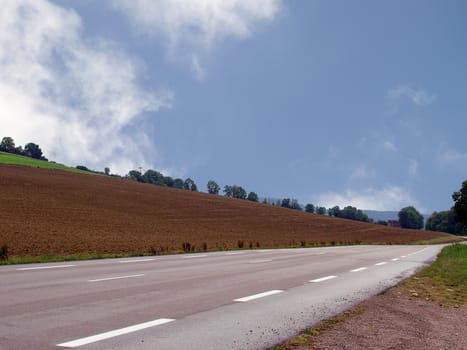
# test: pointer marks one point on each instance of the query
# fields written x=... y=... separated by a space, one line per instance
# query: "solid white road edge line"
x=135 y=261
x=323 y=279
x=43 y=267
x=114 y=278
x=359 y=269
x=381 y=263
x=234 y=253
x=194 y=256
x=257 y=296
x=114 y=333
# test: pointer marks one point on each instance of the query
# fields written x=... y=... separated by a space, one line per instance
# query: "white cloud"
x=197 y=69
x=193 y=27
x=361 y=172
x=389 y=146
x=450 y=158
x=74 y=97
x=413 y=168
x=386 y=198
x=418 y=97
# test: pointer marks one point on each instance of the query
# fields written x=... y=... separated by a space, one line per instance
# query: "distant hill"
x=45 y=211
x=382 y=215
x=386 y=215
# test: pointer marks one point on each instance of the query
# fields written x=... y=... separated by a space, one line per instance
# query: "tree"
x=107 y=171
x=169 y=182
x=460 y=205
x=7 y=145
x=190 y=185
x=153 y=177
x=179 y=183
x=32 y=150
x=238 y=192
x=234 y=191
x=213 y=187
x=310 y=208
x=286 y=203
x=321 y=210
x=409 y=217
x=252 y=196
x=350 y=213
x=19 y=150
x=135 y=175
x=295 y=205
x=336 y=211
x=444 y=221
x=228 y=191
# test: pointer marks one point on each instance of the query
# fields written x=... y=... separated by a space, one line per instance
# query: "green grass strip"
x=8 y=158
x=449 y=271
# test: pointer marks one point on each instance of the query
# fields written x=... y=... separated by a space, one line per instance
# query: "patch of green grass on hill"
x=8 y=158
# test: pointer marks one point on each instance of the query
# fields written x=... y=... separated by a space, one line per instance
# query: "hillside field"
x=54 y=212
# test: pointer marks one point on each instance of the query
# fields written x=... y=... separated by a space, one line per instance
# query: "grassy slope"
x=8 y=158
x=445 y=281
x=57 y=213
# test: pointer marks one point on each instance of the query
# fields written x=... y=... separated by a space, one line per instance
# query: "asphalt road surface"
x=250 y=299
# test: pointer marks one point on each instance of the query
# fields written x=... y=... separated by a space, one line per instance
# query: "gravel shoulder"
x=397 y=320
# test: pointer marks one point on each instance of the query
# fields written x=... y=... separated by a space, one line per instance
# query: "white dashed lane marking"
x=114 y=278
x=135 y=261
x=43 y=267
x=322 y=279
x=381 y=263
x=259 y=295
x=95 y=338
x=359 y=269
x=259 y=261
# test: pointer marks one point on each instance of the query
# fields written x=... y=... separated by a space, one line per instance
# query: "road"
x=250 y=299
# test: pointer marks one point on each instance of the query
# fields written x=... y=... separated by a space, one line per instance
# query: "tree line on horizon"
x=452 y=221
x=30 y=150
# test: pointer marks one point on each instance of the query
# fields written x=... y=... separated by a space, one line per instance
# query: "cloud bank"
x=194 y=27
x=418 y=97
x=386 y=198
x=74 y=97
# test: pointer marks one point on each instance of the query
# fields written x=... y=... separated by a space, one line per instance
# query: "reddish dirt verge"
x=55 y=212
x=394 y=320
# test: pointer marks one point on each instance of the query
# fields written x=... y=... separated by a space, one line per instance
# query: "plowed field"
x=55 y=212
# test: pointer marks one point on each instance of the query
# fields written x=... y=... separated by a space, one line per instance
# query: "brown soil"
x=394 y=320
x=55 y=212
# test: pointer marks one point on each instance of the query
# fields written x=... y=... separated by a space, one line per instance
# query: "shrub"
x=4 y=252
x=240 y=244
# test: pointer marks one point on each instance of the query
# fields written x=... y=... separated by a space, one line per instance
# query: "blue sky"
x=330 y=102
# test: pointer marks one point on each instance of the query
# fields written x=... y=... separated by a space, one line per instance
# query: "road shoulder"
x=419 y=313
